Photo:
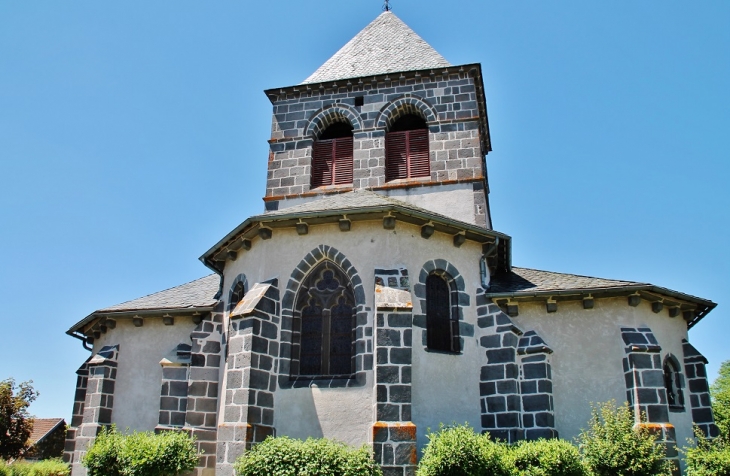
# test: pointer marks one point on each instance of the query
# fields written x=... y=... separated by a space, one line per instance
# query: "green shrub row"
x=49 y=467
x=459 y=451
x=140 y=454
x=284 y=456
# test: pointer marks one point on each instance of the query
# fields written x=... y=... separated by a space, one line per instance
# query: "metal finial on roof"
x=386 y=6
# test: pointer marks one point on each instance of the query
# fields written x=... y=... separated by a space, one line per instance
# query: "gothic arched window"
x=332 y=156
x=326 y=313
x=406 y=149
x=442 y=320
x=673 y=383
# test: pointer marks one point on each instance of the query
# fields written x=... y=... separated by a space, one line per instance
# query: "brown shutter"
x=419 y=162
x=342 y=160
x=322 y=154
x=396 y=155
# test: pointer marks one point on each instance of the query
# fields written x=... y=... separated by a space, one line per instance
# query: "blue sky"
x=133 y=137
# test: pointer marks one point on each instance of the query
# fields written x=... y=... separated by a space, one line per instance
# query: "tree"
x=15 y=421
x=720 y=392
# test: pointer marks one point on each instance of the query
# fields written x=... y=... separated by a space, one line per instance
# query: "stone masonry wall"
x=253 y=349
x=515 y=383
x=645 y=389
x=98 y=403
x=202 y=398
x=394 y=435
x=448 y=104
x=699 y=390
x=77 y=417
x=174 y=389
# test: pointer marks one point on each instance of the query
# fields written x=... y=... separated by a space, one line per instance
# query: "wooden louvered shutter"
x=342 y=160
x=396 y=155
x=419 y=161
x=322 y=155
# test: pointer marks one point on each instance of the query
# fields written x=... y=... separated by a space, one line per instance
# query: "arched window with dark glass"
x=326 y=314
x=673 y=383
x=332 y=156
x=442 y=325
x=236 y=295
x=406 y=149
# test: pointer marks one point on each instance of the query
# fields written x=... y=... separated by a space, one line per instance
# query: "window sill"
x=676 y=408
x=324 y=381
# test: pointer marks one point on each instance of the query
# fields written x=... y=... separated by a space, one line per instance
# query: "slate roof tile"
x=386 y=45
x=198 y=293
x=533 y=280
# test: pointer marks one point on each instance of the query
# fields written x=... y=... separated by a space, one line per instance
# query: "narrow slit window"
x=442 y=325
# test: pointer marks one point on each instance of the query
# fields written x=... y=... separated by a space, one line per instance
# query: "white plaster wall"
x=442 y=391
x=344 y=414
x=587 y=362
x=453 y=200
x=139 y=374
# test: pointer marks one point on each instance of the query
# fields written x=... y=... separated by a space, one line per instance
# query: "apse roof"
x=198 y=293
x=386 y=45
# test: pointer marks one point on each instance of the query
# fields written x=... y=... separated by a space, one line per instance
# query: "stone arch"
x=458 y=299
x=406 y=104
x=362 y=338
x=330 y=114
x=238 y=288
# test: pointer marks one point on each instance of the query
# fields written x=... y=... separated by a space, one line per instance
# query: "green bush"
x=140 y=454
x=284 y=456
x=708 y=458
x=459 y=451
x=612 y=446
x=547 y=458
x=49 y=467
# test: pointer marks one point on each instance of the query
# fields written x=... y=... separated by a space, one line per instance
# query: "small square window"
x=359 y=101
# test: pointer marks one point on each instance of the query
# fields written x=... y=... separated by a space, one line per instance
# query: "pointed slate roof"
x=386 y=45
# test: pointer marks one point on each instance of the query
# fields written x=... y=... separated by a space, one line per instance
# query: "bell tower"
x=386 y=113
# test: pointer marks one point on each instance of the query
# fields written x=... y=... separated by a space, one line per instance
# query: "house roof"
x=198 y=294
x=43 y=426
x=386 y=45
x=526 y=283
x=534 y=280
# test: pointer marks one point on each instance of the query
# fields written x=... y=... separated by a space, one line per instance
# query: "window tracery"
x=326 y=308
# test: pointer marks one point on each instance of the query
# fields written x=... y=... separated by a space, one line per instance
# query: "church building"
x=372 y=299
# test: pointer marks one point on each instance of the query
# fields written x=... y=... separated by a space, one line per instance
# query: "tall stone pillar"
x=699 y=390
x=536 y=387
x=250 y=382
x=645 y=389
x=394 y=434
x=201 y=403
x=98 y=403
x=77 y=417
